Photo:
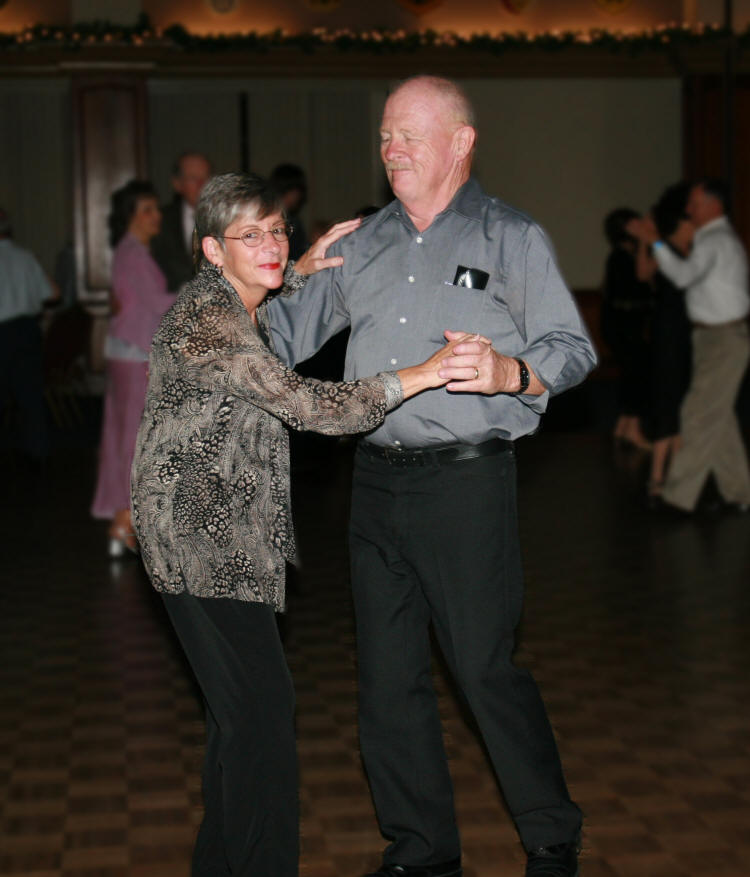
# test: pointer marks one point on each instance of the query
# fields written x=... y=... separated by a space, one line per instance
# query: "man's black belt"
x=437 y=456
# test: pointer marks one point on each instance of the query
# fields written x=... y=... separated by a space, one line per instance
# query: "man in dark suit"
x=290 y=182
x=173 y=246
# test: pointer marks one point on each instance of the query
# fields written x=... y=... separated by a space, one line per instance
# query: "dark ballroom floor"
x=637 y=628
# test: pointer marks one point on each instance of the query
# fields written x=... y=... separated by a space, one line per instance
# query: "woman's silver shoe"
x=121 y=544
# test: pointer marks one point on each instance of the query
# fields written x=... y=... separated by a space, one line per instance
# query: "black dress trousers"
x=438 y=545
x=251 y=821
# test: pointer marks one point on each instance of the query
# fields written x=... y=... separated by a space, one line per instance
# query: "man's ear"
x=212 y=251
x=463 y=141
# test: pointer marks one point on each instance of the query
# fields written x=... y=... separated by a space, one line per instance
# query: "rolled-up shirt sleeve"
x=558 y=348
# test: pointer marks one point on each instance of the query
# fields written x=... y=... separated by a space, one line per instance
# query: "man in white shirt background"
x=24 y=288
x=715 y=279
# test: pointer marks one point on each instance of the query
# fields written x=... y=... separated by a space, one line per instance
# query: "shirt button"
x=419 y=239
x=411 y=278
x=402 y=319
x=394 y=361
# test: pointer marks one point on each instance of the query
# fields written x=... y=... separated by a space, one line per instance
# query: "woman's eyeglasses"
x=254 y=237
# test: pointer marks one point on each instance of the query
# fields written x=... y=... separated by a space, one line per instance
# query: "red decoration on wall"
x=516 y=6
x=419 y=7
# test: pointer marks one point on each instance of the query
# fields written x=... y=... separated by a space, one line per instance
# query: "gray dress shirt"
x=397 y=290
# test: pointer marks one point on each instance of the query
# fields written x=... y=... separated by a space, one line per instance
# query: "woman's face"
x=146 y=221
x=253 y=270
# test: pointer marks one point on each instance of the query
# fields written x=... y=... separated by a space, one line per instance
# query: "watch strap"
x=525 y=377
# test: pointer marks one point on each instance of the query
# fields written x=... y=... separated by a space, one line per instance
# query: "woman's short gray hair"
x=224 y=198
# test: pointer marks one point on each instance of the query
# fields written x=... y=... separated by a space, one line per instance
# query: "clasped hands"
x=472 y=366
x=643 y=228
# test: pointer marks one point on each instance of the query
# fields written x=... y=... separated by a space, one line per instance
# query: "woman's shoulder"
x=206 y=313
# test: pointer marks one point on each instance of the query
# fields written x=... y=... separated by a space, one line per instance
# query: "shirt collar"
x=466 y=202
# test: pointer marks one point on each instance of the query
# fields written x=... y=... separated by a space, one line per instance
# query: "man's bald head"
x=457 y=105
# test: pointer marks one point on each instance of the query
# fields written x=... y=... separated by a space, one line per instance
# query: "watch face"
x=222 y=5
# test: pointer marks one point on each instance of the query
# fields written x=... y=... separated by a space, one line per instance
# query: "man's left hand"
x=475 y=367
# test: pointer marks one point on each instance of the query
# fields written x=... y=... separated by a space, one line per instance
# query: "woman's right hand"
x=314 y=259
x=425 y=376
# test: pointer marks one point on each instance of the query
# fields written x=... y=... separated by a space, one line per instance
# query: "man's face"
x=293 y=200
x=702 y=207
x=194 y=174
x=416 y=143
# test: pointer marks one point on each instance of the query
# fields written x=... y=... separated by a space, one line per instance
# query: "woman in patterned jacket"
x=210 y=499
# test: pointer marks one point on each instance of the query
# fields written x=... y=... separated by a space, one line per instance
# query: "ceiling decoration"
x=74 y=41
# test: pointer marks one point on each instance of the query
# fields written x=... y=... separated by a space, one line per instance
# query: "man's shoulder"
x=509 y=215
x=719 y=235
x=171 y=221
x=171 y=208
x=362 y=236
x=18 y=255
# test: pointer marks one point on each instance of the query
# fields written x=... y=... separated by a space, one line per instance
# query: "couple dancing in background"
x=687 y=257
x=434 y=539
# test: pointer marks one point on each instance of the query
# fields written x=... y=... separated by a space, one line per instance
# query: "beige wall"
x=36 y=164
x=568 y=151
x=564 y=151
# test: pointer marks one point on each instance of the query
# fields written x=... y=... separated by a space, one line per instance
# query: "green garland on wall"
x=176 y=37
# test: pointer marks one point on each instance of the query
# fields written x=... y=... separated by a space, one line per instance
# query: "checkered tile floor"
x=636 y=627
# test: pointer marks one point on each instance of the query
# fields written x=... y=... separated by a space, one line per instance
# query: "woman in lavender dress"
x=139 y=300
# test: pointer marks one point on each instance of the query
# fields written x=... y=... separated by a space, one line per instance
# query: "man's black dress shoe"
x=560 y=860
x=444 y=869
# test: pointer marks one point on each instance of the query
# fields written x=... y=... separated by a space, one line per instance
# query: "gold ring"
x=476 y=373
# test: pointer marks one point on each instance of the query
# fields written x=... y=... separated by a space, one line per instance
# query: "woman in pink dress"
x=139 y=300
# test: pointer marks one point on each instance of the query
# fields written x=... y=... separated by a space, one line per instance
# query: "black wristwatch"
x=524 y=376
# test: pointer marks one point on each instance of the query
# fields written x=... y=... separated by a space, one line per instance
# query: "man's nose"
x=392 y=148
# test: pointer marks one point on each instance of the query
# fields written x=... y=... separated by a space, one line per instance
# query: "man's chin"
x=400 y=188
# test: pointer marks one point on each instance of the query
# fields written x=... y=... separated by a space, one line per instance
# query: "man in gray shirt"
x=433 y=535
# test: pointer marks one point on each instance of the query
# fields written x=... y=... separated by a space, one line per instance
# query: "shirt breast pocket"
x=461 y=308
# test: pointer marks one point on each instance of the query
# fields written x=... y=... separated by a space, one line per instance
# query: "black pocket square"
x=471 y=278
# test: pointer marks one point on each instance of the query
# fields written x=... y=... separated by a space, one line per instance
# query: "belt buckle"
x=393 y=456
x=403 y=457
